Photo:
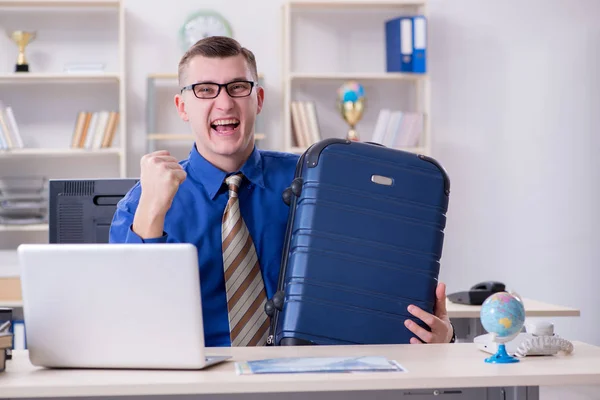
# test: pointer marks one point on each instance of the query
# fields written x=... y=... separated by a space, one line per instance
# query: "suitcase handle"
x=288 y=194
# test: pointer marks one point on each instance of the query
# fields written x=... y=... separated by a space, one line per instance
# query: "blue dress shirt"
x=195 y=217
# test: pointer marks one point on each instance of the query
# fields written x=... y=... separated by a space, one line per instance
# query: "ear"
x=260 y=97
x=180 y=104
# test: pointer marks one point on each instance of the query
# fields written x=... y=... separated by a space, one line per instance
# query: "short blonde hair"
x=217 y=46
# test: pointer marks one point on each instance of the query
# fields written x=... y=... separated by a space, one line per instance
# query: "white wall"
x=515 y=94
x=515 y=98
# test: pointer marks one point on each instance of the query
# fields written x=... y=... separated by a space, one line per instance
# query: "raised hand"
x=160 y=178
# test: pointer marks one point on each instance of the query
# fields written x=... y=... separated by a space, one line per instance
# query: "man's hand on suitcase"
x=441 y=328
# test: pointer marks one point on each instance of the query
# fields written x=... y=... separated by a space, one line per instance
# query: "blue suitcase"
x=364 y=240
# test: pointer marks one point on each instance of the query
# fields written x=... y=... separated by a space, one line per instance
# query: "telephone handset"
x=477 y=294
x=538 y=339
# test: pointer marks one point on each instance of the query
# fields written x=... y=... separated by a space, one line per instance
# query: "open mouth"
x=225 y=126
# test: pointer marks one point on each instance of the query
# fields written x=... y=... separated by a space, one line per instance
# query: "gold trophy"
x=351 y=104
x=22 y=39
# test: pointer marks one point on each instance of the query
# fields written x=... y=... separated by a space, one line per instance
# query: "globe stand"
x=503 y=316
x=501 y=356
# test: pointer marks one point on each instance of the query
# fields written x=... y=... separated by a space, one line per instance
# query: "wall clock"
x=203 y=24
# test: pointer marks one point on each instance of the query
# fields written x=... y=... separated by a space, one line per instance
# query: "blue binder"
x=398 y=41
x=406 y=44
x=419 y=36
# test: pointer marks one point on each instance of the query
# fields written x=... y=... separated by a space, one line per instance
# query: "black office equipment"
x=81 y=210
x=477 y=294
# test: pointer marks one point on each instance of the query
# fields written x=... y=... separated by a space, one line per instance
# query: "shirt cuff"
x=133 y=237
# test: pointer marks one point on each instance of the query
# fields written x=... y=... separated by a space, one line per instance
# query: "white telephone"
x=538 y=340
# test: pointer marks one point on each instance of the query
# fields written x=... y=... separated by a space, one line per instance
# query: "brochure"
x=318 y=364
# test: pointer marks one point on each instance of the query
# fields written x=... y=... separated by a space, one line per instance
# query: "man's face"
x=223 y=126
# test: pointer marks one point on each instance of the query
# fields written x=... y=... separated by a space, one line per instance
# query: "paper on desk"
x=318 y=364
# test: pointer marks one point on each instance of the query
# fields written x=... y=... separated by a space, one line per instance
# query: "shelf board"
x=172 y=76
x=24 y=228
x=186 y=136
x=61 y=77
x=358 y=76
x=59 y=3
x=417 y=150
x=357 y=3
x=58 y=152
x=165 y=75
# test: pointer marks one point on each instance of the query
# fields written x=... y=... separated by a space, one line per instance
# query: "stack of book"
x=6 y=343
x=10 y=138
x=398 y=129
x=23 y=201
x=305 y=125
x=95 y=130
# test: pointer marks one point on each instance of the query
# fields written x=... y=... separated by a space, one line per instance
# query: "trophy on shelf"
x=22 y=39
x=351 y=104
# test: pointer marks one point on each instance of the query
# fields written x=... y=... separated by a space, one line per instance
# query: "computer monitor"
x=81 y=210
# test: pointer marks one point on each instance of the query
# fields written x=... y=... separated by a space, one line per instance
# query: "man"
x=185 y=201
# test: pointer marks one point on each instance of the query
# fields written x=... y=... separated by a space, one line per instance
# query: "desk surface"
x=428 y=366
x=533 y=308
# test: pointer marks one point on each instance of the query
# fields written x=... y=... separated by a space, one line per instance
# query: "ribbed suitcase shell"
x=364 y=240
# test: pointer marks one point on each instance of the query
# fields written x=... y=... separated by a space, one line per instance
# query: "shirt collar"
x=212 y=177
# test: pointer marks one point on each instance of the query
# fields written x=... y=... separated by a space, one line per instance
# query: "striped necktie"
x=246 y=297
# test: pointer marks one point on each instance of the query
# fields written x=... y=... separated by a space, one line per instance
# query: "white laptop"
x=113 y=306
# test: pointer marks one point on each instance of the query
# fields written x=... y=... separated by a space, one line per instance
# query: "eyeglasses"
x=210 y=90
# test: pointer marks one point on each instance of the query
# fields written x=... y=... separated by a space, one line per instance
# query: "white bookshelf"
x=47 y=99
x=62 y=3
x=57 y=78
x=25 y=152
x=363 y=76
x=48 y=132
x=357 y=4
x=351 y=37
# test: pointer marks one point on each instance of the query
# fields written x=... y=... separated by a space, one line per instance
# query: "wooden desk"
x=533 y=308
x=457 y=367
x=466 y=319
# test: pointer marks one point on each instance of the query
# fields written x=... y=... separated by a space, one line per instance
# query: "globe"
x=503 y=315
x=350 y=91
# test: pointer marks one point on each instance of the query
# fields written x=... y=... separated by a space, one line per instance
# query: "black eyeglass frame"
x=221 y=86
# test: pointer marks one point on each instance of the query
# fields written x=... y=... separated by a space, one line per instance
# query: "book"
x=6 y=340
x=2 y=360
x=318 y=364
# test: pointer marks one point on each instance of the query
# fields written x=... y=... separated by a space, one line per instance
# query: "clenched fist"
x=160 y=178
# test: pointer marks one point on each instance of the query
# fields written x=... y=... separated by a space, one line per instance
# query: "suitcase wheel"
x=270 y=308
x=294 y=189
x=287 y=196
x=297 y=186
x=276 y=303
x=278 y=300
